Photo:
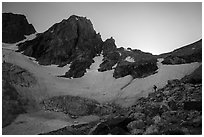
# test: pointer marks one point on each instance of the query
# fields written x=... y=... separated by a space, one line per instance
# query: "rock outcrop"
x=142 y=64
x=186 y=54
x=15 y=27
x=17 y=76
x=170 y=110
x=13 y=103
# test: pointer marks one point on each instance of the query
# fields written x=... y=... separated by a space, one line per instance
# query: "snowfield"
x=101 y=86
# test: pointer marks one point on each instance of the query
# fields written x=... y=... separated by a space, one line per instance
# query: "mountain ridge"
x=79 y=44
x=15 y=27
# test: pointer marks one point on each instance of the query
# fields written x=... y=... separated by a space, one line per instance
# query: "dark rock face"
x=110 y=54
x=12 y=102
x=75 y=41
x=144 y=63
x=186 y=54
x=16 y=75
x=71 y=41
x=15 y=27
x=136 y=70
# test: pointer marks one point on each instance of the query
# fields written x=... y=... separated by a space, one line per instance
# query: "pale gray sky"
x=151 y=27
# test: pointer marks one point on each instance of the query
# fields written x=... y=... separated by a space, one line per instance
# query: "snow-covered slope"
x=13 y=46
x=101 y=86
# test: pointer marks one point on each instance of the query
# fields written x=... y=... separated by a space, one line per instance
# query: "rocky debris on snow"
x=16 y=75
x=71 y=105
x=15 y=27
x=78 y=106
x=187 y=54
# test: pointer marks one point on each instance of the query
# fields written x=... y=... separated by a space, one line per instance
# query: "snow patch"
x=113 y=67
x=95 y=66
x=13 y=46
x=129 y=59
x=52 y=69
x=31 y=37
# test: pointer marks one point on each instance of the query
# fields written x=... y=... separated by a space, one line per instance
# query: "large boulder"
x=15 y=27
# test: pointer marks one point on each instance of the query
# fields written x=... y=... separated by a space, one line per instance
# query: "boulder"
x=137 y=131
x=136 y=124
x=151 y=130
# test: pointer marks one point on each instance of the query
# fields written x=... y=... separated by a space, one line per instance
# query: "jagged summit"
x=15 y=27
x=72 y=36
x=74 y=41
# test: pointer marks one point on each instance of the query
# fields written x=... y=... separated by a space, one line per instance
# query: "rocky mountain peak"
x=109 y=45
x=72 y=40
x=15 y=27
x=74 y=36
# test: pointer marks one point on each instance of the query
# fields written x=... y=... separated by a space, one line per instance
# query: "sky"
x=151 y=27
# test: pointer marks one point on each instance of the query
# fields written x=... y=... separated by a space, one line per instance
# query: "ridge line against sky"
x=151 y=27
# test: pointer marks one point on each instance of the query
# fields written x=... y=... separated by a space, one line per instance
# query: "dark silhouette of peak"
x=15 y=27
x=73 y=40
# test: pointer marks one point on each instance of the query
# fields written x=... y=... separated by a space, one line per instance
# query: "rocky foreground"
x=13 y=103
x=175 y=109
